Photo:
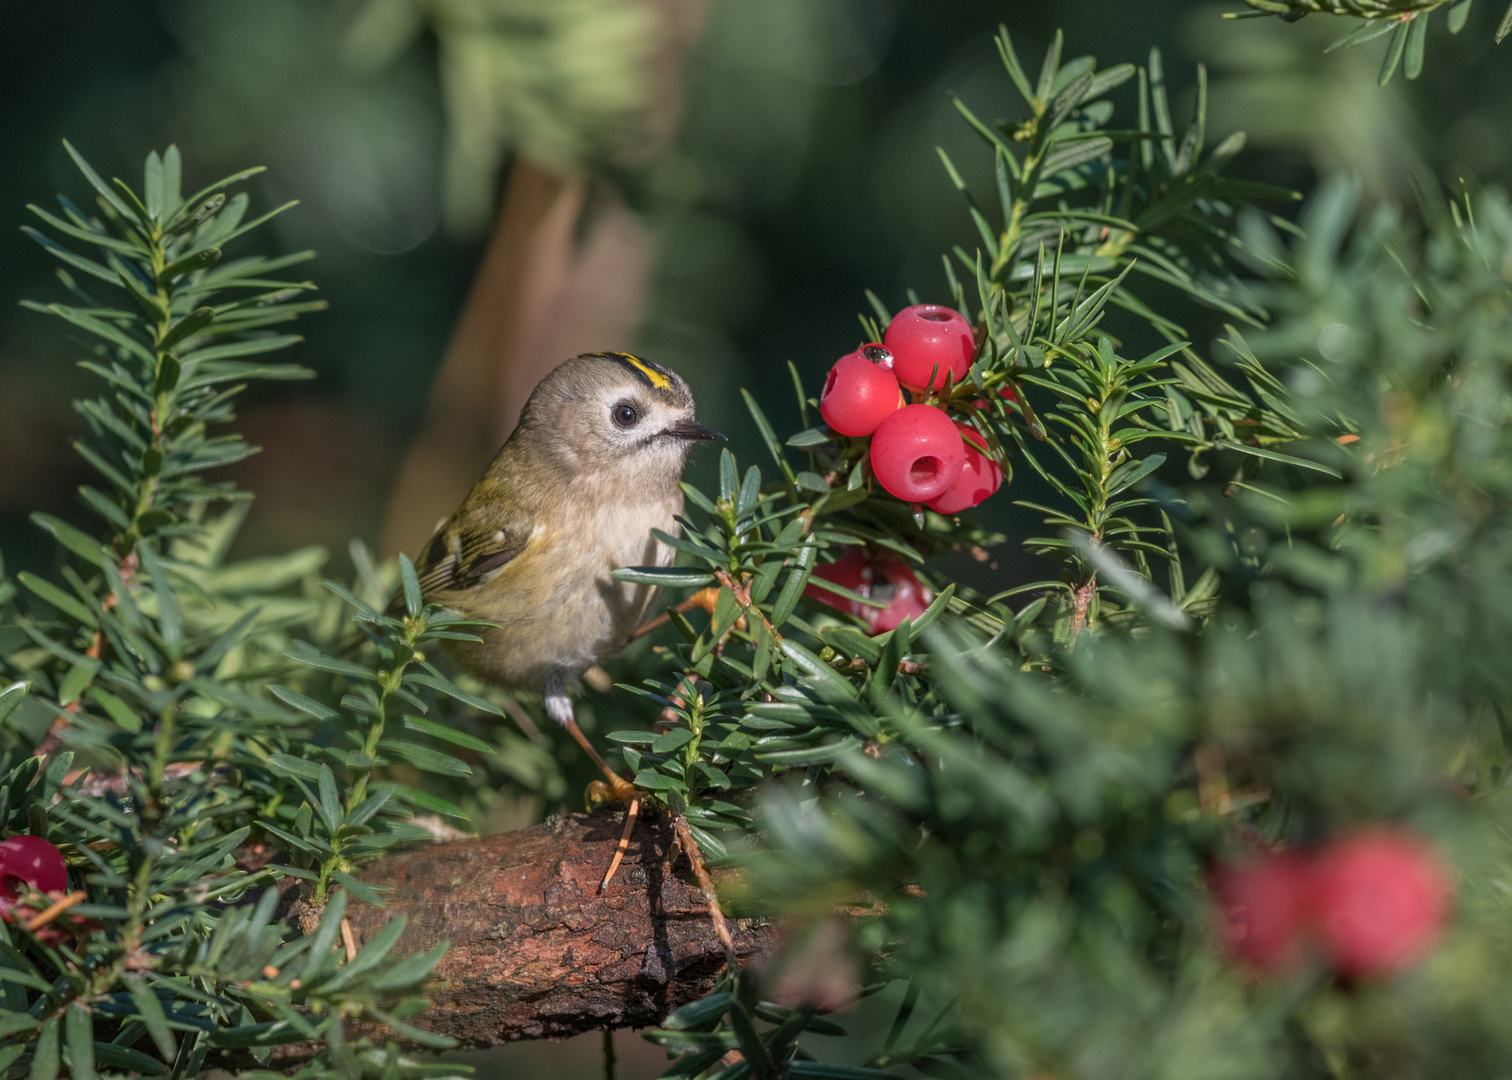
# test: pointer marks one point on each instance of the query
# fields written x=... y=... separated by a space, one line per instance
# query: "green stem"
x=390 y=681
x=103 y=979
x=374 y=737
x=162 y=399
x=162 y=746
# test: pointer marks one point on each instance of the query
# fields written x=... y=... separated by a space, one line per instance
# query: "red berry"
x=907 y=597
x=850 y=571
x=1381 y=898
x=916 y=453
x=925 y=337
x=29 y=861
x=1006 y=393
x=859 y=394
x=1266 y=906
x=883 y=577
x=979 y=478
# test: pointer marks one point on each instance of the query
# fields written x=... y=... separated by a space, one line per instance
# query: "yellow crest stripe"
x=648 y=371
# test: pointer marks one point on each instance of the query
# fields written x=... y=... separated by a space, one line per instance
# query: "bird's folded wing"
x=459 y=557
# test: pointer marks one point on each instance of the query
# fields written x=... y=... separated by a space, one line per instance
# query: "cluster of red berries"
x=1372 y=903
x=918 y=453
x=28 y=862
x=880 y=576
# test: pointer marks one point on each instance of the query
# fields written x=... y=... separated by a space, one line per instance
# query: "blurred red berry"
x=927 y=337
x=29 y=862
x=1266 y=907
x=1006 y=393
x=883 y=577
x=979 y=478
x=850 y=571
x=907 y=597
x=860 y=393
x=1381 y=898
x=917 y=453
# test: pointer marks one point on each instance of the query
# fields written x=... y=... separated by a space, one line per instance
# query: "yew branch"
x=536 y=951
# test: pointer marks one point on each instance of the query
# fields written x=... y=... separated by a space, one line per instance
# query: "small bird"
x=591 y=469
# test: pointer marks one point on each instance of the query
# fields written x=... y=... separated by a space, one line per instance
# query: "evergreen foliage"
x=205 y=785
x=1405 y=20
x=1301 y=633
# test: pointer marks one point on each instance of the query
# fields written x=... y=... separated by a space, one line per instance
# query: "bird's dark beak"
x=693 y=431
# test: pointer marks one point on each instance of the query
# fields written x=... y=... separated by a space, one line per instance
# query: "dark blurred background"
x=492 y=185
x=788 y=165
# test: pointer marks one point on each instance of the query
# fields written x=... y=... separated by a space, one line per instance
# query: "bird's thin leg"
x=559 y=708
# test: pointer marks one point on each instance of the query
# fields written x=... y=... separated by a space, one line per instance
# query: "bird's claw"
x=618 y=789
x=622 y=789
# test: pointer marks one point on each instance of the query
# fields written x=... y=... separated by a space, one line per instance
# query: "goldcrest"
x=591 y=469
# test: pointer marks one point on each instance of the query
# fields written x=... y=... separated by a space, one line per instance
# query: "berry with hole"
x=929 y=338
x=917 y=453
x=29 y=862
x=979 y=478
x=860 y=392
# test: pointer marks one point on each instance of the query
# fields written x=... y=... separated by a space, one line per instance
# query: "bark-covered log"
x=535 y=950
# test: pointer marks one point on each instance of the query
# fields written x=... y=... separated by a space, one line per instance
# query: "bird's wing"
x=465 y=553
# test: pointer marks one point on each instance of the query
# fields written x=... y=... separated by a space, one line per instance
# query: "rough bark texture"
x=535 y=951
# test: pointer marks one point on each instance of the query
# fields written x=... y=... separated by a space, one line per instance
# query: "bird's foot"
x=559 y=708
x=599 y=792
x=621 y=789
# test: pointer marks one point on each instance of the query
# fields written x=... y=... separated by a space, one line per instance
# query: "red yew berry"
x=850 y=571
x=859 y=393
x=883 y=577
x=29 y=862
x=979 y=478
x=927 y=337
x=1266 y=907
x=1006 y=393
x=917 y=453
x=907 y=597
x=1381 y=897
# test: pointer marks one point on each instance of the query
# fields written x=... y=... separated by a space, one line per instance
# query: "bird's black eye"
x=625 y=415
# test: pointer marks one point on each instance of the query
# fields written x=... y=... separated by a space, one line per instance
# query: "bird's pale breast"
x=556 y=605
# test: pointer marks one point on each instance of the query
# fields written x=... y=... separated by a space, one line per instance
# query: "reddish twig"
x=1081 y=603
x=689 y=848
x=703 y=598
x=742 y=592
x=47 y=915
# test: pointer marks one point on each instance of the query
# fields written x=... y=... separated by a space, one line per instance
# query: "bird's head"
x=614 y=414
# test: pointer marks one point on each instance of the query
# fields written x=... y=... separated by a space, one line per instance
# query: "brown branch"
x=535 y=950
x=703 y=598
x=1081 y=603
x=58 y=907
x=689 y=847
